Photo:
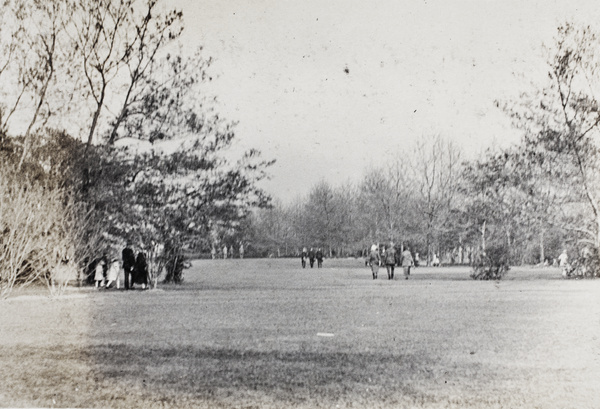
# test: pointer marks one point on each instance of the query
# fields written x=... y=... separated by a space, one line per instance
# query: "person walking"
x=241 y=250
x=319 y=256
x=213 y=252
x=374 y=261
x=407 y=262
x=311 y=257
x=225 y=252
x=390 y=261
x=303 y=257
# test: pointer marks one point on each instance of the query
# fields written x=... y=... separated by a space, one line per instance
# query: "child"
x=113 y=273
x=99 y=273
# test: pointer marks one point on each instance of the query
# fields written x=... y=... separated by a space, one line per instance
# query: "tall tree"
x=437 y=169
x=561 y=122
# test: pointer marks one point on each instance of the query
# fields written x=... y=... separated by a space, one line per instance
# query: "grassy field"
x=268 y=334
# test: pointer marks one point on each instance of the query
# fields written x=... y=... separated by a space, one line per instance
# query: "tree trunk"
x=542 y=255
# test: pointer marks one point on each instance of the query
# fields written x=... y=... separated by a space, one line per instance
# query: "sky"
x=330 y=88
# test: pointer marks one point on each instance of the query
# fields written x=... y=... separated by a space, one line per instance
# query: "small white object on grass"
x=324 y=334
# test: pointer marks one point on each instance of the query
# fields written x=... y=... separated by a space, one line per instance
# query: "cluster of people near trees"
x=226 y=252
x=390 y=258
x=106 y=271
x=312 y=255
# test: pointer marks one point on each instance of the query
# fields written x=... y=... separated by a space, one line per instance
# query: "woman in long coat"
x=141 y=270
x=374 y=261
x=407 y=262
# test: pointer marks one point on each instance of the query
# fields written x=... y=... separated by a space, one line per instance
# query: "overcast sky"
x=331 y=87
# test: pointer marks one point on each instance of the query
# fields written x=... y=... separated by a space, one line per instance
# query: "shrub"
x=492 y=263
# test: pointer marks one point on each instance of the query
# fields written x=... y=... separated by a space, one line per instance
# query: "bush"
x=175 y=262
x=586 y=266
x=492 y=263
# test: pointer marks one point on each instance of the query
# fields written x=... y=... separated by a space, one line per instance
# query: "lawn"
x=269 y=334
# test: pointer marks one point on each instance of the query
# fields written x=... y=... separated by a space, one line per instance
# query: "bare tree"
x=436 y=165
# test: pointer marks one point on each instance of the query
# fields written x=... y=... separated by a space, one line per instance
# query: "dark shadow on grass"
x=220 y=377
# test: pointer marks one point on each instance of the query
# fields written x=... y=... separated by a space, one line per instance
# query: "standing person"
x=213 y=252
x=311 y=257
x=319 y=258
x=407 y=262
x=303 y=257
x=128 y=266
x=99 y=273
x=231 y=251
x=241 y=250
x=141 y=270
x=374 y=261
x=224 y=252
x=390 y=261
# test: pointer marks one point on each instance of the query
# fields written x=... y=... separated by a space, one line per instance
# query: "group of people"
x=312 y=255
x=390 y=259
x=135 y=269
x=227 y=253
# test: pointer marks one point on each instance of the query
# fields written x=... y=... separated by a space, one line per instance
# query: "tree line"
x=522 y=204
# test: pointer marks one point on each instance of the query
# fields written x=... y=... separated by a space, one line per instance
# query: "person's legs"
x=127 y=273
x=406 y=272
x=390 y=271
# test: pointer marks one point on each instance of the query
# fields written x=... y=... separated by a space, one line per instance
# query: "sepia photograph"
x=276 y=204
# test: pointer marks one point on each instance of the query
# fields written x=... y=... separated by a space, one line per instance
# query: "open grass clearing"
x=249 y=333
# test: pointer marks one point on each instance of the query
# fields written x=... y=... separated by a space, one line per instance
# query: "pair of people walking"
x=390 y=259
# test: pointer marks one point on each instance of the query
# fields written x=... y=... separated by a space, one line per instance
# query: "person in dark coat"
x=303 y=257
x=319 y=258
x=141 y=270
x=311 y=257
x=390 y=261
x=128 y=266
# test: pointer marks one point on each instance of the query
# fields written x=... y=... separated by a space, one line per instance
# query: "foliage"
x=492 y=263
x=561 y=122
x=45 y=234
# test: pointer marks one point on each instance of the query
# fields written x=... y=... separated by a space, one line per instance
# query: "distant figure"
x=435 y=261
x=563 y=259
x=407 y=262
x=213 y=252
x=303 y=257
x=141 y=270
x=128 y=266
x=374 y=261
x=311 y=257
x=99 y=273
x=390 y=261
x=224 y=252
x=112 y=274
x=417 y=260
x=231 y=251
x=319 y=258
x=241 y=250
